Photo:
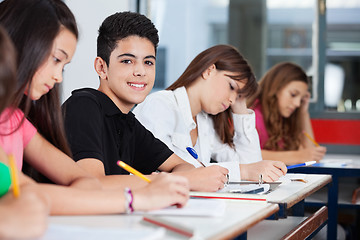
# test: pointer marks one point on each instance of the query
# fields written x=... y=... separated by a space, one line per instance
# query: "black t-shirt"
x=96 y=128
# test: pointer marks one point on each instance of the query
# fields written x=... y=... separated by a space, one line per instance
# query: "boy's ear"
x=206 y=74
x=100 y=67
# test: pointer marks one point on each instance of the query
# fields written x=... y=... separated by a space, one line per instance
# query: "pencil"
x=14 y=176
x=133 y=171
x=311 y=139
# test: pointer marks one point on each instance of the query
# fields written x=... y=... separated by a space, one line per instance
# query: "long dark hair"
x=7 y=70
x=33 y=26
x=284 y=133
x=225 y=58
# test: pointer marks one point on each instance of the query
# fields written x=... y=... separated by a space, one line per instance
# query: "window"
x=320 y=36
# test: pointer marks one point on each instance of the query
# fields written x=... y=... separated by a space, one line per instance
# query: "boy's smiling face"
x=130 y=75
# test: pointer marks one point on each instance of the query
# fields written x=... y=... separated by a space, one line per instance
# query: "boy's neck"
x=124 y=108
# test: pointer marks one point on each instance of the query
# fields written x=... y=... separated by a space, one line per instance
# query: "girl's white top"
x=167 y=114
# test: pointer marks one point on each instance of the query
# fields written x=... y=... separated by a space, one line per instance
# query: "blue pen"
x=301 y=164
x=194 y=154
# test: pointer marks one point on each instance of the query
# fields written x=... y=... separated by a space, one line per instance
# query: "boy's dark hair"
x=121 y=25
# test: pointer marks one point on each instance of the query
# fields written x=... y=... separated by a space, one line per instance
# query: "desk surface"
x=296 y=191
x=238 y=218
x=335 y=161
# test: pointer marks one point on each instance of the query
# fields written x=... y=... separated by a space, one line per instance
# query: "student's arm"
x=96 y=168
x=208 y=179
x=270 y=170
x=56 y=165
x=246 y=139
x=306 y=122
x=295 y=157
x=23 y=217
x=163 y=191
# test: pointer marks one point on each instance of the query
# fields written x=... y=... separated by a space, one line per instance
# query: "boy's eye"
x=126 y=61
x=231 y=87
x=150 y=63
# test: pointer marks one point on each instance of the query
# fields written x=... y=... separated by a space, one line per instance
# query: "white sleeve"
x=246 y=141
x=246 y=138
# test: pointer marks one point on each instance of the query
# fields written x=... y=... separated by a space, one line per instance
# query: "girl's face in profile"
x=220 y=92
x=290 y=97
x=50 y=72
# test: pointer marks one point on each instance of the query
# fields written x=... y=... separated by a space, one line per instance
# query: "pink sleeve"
x=260 y=126
x=29 y=132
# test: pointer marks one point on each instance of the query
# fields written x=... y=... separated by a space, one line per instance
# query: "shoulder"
x=13 y=116
x=83 y=103
x=161 y=96
x=83 y=99
x=83 y=95
x=159 y=100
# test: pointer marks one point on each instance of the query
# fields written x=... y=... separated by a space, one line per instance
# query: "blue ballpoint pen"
x=194 y=155
x=301 y=164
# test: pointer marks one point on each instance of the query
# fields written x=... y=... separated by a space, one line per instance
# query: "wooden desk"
x=349 y=170
x=238 y=218
x=295 y=192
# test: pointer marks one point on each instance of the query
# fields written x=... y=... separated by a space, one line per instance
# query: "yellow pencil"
x=133 y=171
x=14 y=176
x=311 y=139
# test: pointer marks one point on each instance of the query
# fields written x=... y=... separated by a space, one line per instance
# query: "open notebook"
x=234 y=191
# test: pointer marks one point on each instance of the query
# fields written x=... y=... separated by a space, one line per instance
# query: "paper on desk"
x=335 y=162
x=287 y=178
x=241 y=188
x=194 y=207
x=71 y=232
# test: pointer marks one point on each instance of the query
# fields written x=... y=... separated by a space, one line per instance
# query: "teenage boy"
x=100 y=126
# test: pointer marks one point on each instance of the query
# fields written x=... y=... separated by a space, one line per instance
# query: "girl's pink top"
x=16 y=142
x=260 y=124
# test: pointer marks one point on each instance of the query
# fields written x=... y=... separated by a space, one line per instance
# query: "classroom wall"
x=89 y=15
x=339 y=135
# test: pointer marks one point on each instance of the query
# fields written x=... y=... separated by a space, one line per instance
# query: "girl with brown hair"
x=282 y=116
x=205 y=111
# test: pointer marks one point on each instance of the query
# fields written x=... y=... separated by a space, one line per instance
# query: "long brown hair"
x=225 y=58
x=284 y=133
x=33 y=26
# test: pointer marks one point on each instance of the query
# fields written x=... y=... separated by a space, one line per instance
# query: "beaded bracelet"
x=129 y=198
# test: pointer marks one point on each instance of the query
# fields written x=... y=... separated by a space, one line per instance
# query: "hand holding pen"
x=315 y=153
x=164 y=190
x=194 y=154
x=211 y=178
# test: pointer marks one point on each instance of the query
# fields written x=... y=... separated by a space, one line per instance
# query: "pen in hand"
x=301 y=164
x=194 y=155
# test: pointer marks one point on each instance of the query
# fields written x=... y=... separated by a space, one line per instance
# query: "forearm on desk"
x=113 y=182
x=71 y=201
x=287 y=157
